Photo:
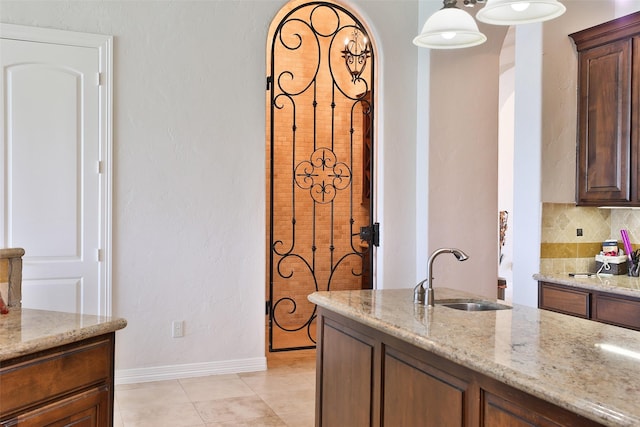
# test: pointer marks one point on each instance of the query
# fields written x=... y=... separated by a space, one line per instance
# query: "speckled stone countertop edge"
x=616 y=284
x=103 y=325
x=596 y=411
x=450 y=353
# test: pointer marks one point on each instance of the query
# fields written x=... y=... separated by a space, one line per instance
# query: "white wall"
x=422 y=146
x=625 y=7
x=505 y=154
x=463 y=163
x=546 y=125
x=189 y=169
x=394 y=28
x=560 y=77
x=461 y=200
x=527 y=159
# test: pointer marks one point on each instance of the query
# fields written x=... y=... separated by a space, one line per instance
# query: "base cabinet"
x=498 y=412
x=618 y=311
x=600 y=306
x=441 y=396
x=348 y=380
x=368 y=378
x=86 y=409
x=71 y=385
x=574 y=302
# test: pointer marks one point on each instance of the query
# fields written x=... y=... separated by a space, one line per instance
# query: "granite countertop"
x=25 y=331
x=617 y=284
x=561 y=359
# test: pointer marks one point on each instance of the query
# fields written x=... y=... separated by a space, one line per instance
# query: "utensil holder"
x=634 y=268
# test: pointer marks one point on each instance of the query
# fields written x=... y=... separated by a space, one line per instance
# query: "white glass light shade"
x=449 y=28
x=513 y=12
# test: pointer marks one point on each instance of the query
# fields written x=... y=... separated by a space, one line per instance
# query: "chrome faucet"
x=419 y=291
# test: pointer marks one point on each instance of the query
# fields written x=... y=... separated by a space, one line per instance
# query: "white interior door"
x=52 y=173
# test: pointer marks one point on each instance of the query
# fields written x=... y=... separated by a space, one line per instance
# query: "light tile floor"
x=283 y=395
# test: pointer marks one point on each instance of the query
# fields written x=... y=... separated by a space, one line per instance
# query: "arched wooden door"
x=320 y=97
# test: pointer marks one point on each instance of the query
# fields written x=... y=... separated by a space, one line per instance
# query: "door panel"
x=442 y=396
x=45 y=189
x=68 y=293
x=51 y=185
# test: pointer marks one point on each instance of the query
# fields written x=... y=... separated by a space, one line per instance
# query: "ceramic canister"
x=610 y=247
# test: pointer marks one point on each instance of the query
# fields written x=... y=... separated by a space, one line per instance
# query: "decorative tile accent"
x=569 y=250
x=563 y=251
x=628 y=219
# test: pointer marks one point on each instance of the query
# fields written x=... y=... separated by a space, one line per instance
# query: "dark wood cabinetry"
x=440 y=394
x=512 y=408
x=608 y=113
x=595 y=305
x=348 y=365
x=368 y=378
x=618 y=311
x=565 y=300
x=63 y=386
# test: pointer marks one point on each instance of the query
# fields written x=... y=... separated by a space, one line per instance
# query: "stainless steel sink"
x=467 y=304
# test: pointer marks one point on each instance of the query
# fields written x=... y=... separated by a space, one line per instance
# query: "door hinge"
x=267 y=307
x=371 y=234
x=98 y=79
x=99 y=166
x=269 y=82
x=99 y=255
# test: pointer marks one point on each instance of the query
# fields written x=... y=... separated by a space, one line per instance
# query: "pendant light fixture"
x=453 y=28
x=514 y=12
x=450 y=28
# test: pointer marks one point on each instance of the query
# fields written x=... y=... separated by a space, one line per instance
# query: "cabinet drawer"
x=29 y=382
x=618 y=311
x=86 y=409
x=568 y=301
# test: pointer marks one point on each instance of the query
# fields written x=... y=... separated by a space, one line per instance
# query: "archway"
x=320 y=146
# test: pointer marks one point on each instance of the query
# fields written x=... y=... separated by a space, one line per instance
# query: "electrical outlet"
x=177 y=328
x=579 y=232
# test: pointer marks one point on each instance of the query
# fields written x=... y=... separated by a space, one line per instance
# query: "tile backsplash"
x=563 y=251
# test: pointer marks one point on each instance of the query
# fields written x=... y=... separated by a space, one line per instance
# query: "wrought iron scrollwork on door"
x=323 y=175
x=321 y=155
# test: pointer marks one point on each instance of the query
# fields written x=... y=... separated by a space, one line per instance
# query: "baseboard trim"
x=190 y=370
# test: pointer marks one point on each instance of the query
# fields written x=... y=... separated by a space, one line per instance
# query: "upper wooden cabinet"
x=608 y=113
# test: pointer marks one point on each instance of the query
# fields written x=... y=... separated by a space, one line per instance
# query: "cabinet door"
x=635 y=119
x=617 y=311
x=498 y=412
x=564 y=300
x=417 y=394
x=35 y=381
x=603 y=172
x=345 y=379
x=88 y=409
x=503 y=406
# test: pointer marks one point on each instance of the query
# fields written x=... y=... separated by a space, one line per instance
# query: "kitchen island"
x=385 y=361
x=56 y=368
